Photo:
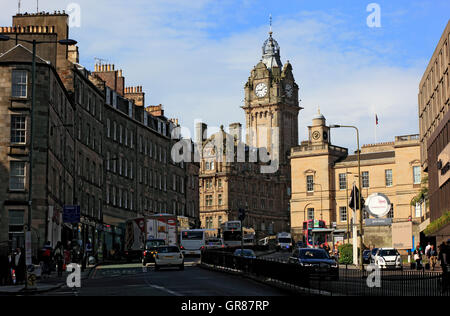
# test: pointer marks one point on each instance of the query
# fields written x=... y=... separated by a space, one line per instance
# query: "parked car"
x=317 y=261
x=366 y=256
x=246 y=253
x=148 y=255
x=388 y=258
x=169 y=256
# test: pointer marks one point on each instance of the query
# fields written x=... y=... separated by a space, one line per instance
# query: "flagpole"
x=376 y=125
x=355 y=229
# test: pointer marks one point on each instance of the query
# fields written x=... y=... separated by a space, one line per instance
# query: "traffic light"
x=241 y=214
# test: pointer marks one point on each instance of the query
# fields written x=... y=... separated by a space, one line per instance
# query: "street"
x=133 y=280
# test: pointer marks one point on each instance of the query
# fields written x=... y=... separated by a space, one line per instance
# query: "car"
x=246 y=253
x=169 y=256
x=317 y=261
x=388 y=258
x=366 y=256
x=214 y=243
x=148 y=255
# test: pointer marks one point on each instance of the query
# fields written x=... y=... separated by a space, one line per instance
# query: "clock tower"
x=319 y=132
x=271 y=104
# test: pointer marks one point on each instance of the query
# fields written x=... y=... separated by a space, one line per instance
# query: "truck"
x=140 y=230
x=284 y=241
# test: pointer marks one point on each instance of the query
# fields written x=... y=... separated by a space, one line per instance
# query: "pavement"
x=53 y=282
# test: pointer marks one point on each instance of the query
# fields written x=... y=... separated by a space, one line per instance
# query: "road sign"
x=378 y=205
x=71 y=214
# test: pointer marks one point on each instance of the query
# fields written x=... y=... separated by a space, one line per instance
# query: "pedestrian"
x=4 y=267
x=46 y=259
x=58 y=255
x=88 y=251
x=418 y=258
x=427 y=250
x=433 y=257
x=11 y=274
x=442 y=256
x=19 y=266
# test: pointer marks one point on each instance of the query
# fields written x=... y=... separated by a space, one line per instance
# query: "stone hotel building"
x=323 y=175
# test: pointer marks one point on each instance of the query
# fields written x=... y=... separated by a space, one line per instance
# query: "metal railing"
x=346 y=282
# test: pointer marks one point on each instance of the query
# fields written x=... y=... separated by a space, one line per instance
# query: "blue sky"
x=195 y=56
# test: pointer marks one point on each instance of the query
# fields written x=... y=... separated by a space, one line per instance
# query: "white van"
x=284 y=241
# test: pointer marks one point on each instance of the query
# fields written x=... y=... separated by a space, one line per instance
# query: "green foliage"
x=438 y=224
x=422 y=195
x=346 y=254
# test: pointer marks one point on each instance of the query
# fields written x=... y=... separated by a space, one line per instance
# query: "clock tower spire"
x=271 y=104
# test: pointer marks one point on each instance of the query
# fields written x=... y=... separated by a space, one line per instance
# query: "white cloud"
x=169 y=47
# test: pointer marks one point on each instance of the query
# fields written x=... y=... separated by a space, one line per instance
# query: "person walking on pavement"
x=19 y=266
x=58 y=255
x=427 y=253
x=46 y=259
x=433 y=257
x=87 y=253
x=418 y=258
x=4 y=267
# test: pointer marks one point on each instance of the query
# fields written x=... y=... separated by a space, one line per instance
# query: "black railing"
x=346 y=281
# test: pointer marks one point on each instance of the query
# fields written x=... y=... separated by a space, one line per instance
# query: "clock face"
x=289 y=90
x=316 y=135
x=325 y=135
x=261 y=90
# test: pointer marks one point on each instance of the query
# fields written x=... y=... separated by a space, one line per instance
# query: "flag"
x=355 y=196
x=376 y=119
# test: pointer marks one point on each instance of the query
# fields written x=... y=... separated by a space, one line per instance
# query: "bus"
x=193 y=241
x=315 y=233
x=232 y=233
x=249 y=236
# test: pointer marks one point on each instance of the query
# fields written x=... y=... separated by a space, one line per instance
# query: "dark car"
x=366 y=256
x=246 y=253
x=148 y=255
x=316 y=261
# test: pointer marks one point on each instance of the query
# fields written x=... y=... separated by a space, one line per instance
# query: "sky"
x=194 y=57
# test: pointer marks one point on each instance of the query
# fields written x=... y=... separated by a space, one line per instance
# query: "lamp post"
x=360 y=193
x=34 y=43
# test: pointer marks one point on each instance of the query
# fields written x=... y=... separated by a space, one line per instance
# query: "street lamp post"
x=360 y=193
x=34 y=43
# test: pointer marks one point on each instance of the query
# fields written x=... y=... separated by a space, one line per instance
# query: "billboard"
x=402 y=235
